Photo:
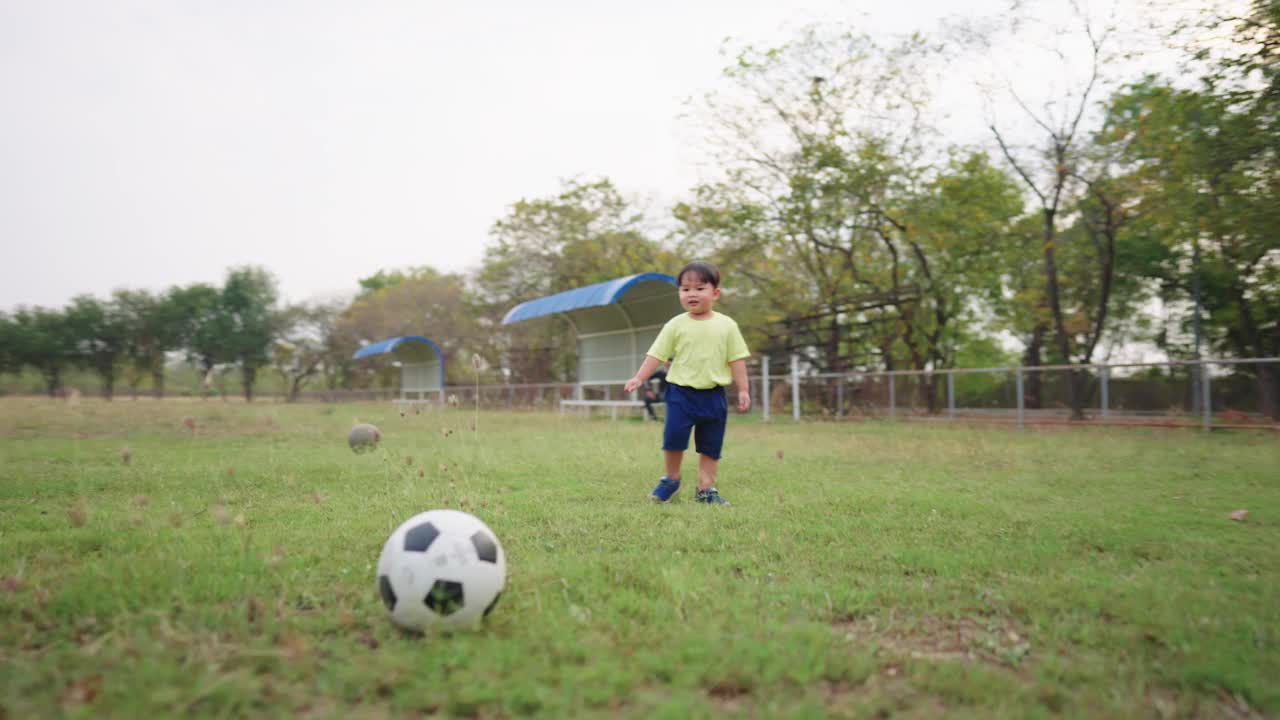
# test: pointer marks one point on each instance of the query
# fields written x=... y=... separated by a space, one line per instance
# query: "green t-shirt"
x=702 y=349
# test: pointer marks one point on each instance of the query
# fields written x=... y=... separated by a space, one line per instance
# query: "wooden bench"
x=613 y=405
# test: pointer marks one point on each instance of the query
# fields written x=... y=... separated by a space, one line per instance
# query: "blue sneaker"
x=710 y=496
x=665 y=490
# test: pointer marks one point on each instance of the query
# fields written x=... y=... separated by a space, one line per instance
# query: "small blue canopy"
x=604 y=293
x=421 y=362
x=614 y=321
x=390 y=344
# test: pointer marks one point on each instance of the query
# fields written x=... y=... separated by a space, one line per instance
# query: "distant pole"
x=893 y=400
x=1195 y=319
x=951 y=395
x=795 y=387
x=1106 y=390
x=1206 y=401
x=764 y=385
x=1018 y=378
x=1195 y=291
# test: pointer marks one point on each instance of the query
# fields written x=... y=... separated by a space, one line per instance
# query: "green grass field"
x=862 y=570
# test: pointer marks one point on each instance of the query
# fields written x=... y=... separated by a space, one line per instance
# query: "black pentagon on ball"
x=388 y=594
x=445 y=597
x=420 y=538
x=486 y=548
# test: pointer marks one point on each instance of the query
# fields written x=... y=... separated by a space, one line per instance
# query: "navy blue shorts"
x=702 y=411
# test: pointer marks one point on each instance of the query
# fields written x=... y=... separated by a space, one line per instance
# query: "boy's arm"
x=647 y=367
x=739 y=370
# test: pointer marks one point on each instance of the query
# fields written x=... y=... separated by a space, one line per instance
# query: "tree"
x=203 y=327
x=8 y=345
x=1052 y=170
x=585 y=234
x=155 y=326
x=819 y=142
x=858 y=236
x=1207 y=165
x=43 y=340
x=302 y=345
x=427 y=303
x=101 y=333
x=948 y=237
x=248 y=305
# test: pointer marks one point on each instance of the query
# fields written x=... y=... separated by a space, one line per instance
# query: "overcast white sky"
x=146 y=144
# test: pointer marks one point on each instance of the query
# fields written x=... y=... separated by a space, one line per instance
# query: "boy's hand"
x=632 y=384
x=744 y=401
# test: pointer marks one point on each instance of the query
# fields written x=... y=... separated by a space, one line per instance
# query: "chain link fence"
x=1209 y=393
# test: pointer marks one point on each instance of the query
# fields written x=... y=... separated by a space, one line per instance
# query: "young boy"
x=708 y=352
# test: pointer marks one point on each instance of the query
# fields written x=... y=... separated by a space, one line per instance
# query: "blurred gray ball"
x=363 y=438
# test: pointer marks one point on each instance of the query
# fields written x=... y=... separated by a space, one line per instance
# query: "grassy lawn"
x=862 y=570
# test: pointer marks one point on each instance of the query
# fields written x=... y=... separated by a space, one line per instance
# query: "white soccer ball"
x=443 y=568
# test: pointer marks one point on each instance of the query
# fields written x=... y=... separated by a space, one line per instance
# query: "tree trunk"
x=157 y=380
x=1269 y=391
x=296 y=389
x=1060 y=331
x=1032 y=393
x=53 y=382
x=835 y=363
x=108 y=385
x=248 y=374
x=929 y=392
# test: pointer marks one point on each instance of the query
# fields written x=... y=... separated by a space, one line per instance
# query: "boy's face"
x=697 y=295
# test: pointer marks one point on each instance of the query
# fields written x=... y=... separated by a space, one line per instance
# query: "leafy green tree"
x=9 y=362
x=43 y=339
x=1052 y=170
x=585 y=234
x=248 y=305
x=820 y=145
x=102 y=337
x=1207 y=164
x=425 y=302
x=948 y=237
x=301 y=347
x=203 y=327
x=384 y=279
x=861 y=240
x=155 y=325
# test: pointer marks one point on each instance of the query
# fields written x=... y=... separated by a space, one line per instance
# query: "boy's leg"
x=675 y=440
x=669 y=484
x=707 y=467
x=673 y=458
x=707 y=492
x=709 y=438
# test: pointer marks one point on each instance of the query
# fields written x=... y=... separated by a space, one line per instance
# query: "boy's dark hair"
x=704 y=271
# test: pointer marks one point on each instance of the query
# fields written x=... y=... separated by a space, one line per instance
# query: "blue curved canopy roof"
x=390 y=344
x=604 y=293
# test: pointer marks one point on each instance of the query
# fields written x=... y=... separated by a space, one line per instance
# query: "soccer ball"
x=363 y=438
x=442 y=568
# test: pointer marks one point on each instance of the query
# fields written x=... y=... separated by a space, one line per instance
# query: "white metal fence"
x=1211 y=393
x=1205 y=393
